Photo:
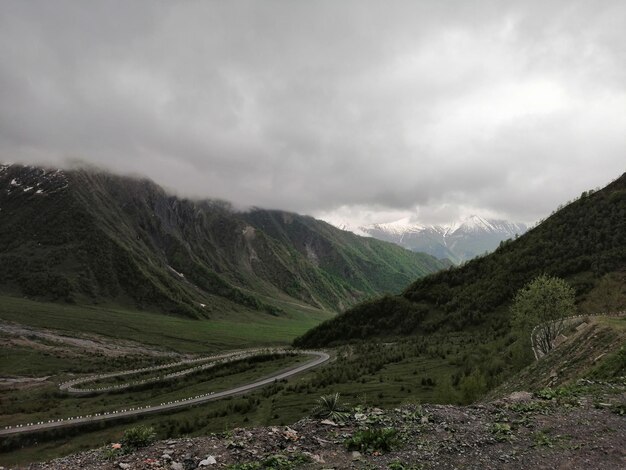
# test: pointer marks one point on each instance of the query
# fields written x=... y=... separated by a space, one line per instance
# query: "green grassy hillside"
x=595 y=351
x=585 y=243
x=86 y=236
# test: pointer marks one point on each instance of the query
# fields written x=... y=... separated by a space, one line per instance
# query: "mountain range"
x=87 y=236
x=583 y=243
x=459 y=241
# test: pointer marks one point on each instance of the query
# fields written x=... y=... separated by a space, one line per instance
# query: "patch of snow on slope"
x=176 y=272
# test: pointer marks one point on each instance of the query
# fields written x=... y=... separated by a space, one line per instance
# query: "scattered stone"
x=177 y=466
x=210 y=460
x=166 y=457
x=328 y=422
x=123 y=465
x=356 y=455
x=290 y=434
x=518 y=397
x=189 y=464
x=321 y=441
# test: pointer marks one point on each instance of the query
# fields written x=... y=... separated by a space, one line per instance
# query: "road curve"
x=206 y=362
x=319 y=358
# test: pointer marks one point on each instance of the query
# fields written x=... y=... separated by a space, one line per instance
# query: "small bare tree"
x=543 y=304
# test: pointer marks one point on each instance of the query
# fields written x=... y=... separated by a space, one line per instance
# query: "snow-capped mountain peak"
x=471 y=223
x=460 y=240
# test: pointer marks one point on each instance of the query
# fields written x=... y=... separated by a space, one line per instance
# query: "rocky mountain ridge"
x=89 y=236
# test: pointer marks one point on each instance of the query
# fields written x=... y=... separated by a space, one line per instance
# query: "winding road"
x=319 y=358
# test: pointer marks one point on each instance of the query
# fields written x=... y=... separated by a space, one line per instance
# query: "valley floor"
x=581 y=427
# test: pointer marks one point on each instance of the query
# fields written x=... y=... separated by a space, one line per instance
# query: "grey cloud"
x=427 y=108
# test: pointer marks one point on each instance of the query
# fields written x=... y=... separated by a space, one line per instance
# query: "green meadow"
x=230 y=330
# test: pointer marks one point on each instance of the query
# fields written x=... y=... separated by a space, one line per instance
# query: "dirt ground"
x=13 y=334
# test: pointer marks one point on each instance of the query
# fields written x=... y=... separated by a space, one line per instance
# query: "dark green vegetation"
x=542 y=306
x=330 y=407
x=88 y=237
x=584 y=243
x=372 y=440
x=137 y=437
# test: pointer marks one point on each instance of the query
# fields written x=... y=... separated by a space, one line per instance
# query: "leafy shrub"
x=567 y=391
x=528 y=407
x=563 y=396
x=543 y=439
x=372 y=440
x=136 y=437
x=501 y=431
x=330 y=407
x=110 y=453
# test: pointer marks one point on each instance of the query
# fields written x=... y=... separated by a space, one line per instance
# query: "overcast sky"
x=348 y=110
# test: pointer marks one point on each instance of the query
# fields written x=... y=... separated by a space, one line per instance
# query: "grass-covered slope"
x=351 y=264
x=585 y=243
x=595 y=349
x=87 y=236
